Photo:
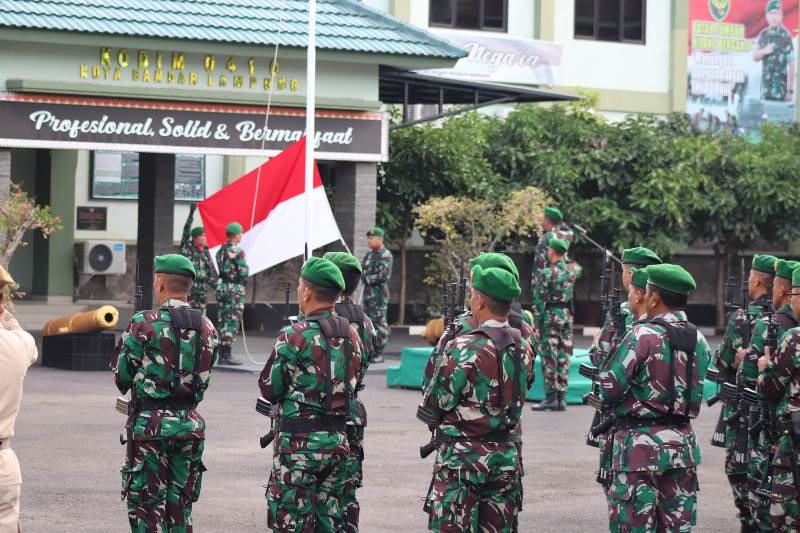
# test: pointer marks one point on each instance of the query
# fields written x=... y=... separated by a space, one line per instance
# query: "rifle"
x=740 y=416
x=264 y=407
x=585 y=234
x=124 y=405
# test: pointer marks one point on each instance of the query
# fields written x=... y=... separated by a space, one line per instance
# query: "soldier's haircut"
x=323 y=294
x=496 y=307
x=351 y=279
x=766 y=278
x=673 y=300
x=553 y=221
x=176 y=283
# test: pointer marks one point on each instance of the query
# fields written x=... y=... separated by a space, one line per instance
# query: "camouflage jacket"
x=604 y=344
x=200 y=258
x=774 y=71
x=377 y=269
x=464 y=389
x=562 y=232
x=780 y=383
x=146 y=358
x=732 y=339
x=784 y=320
x=294 y=378
x=369 y=338
x=554 y=286
x=636 y=383
x=232 y=264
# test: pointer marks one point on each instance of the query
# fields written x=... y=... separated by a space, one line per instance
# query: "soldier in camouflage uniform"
x=775 y=49
x=165 y=358
x=193 y=246
x=759 y=445
x=476 y=482
x=231 y=291
x=311 y=375
x=779 y=382
x=654 y=383
x=552 y=300
x=377 y=271
x=727 y=359
x=362 y=325
x=553 y=227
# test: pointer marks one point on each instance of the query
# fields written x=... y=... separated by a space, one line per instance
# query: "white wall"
x=123 y=214
x=620 y=66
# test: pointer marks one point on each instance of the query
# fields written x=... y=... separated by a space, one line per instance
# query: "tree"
x=465 y=227
x=428 y=161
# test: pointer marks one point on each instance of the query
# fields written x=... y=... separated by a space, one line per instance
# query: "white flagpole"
x=311 y=75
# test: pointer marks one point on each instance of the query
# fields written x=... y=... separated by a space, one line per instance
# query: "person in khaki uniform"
x=17 y=353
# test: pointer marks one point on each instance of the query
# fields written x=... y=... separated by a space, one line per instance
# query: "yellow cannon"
x=102 y=318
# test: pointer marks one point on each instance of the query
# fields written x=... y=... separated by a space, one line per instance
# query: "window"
x=115 y=175
x=610 y=20
x=489 y=15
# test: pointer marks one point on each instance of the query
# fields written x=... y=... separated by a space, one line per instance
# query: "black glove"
x=192 y=207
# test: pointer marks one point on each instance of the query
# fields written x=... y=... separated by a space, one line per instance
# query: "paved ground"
x=67 y=441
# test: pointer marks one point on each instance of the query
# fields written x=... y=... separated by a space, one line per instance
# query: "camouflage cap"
x=174 y=264
x=640 y=256
x=234 y=228
x=198 y=231
x=495 y=282
x=495 y=260
x=322 y=272
x=559 y=245
x=773 y=4
x=639 y=277
x=553 y=213
x=764 y=263
x=673 y=278
x=785 y=269
x=375 y=232
x=344 y=261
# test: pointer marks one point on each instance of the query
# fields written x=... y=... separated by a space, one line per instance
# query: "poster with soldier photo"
x=742 y=64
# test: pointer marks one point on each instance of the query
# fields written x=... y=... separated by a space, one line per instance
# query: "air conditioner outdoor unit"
x=100 y=257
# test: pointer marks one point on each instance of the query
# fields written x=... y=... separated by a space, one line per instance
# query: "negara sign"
x=147 y=126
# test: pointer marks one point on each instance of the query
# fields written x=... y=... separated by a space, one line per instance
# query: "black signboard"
x=81 y=123
x=91 y=218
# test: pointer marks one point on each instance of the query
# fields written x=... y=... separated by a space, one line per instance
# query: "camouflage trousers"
x=198 y=297
x=645 y=501
x=353 y=477
x=556 y=349
x=470 y=501
x=784 y=506
x=230 y=297
x=736 y=471
x=305 y=492
x=758 y=505
x=377 y=311
x=162 y=484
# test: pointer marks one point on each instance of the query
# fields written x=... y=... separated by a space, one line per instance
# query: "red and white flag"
x=269 y=203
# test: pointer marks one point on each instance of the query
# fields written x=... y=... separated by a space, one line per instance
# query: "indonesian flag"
x=269 y=203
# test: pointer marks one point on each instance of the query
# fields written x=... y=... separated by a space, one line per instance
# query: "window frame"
x=621 y=33
x=481 y=26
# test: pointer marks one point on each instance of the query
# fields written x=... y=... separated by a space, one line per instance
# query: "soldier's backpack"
x=679 y=339
x=181 y=319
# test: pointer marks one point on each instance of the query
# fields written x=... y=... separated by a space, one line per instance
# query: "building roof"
x=342 y=25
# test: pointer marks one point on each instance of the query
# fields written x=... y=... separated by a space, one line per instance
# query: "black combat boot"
x=231 y=359
x=549 y=404
x=223 y=352
x=747 y=528
x=562 y=404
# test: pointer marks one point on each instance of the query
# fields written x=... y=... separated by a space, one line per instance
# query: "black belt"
x=559 y=304
x=165 y=404
x=633 y=422
x=494 y=436
x=307 y=425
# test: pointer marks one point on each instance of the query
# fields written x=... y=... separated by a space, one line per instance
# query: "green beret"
x=796 y=277
x=197 y=231
x=495 y=260
x=639 y=277
x=672 y=278
x=344 y=261
x=773 y=4
x=559 y=245
x=375 y=232
x=553 y=213
x=640 y=256
x=323 y=273
x=495 y=282
x=234 y=228
x=174 y=264
x=785 y=269
x=764 y=263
